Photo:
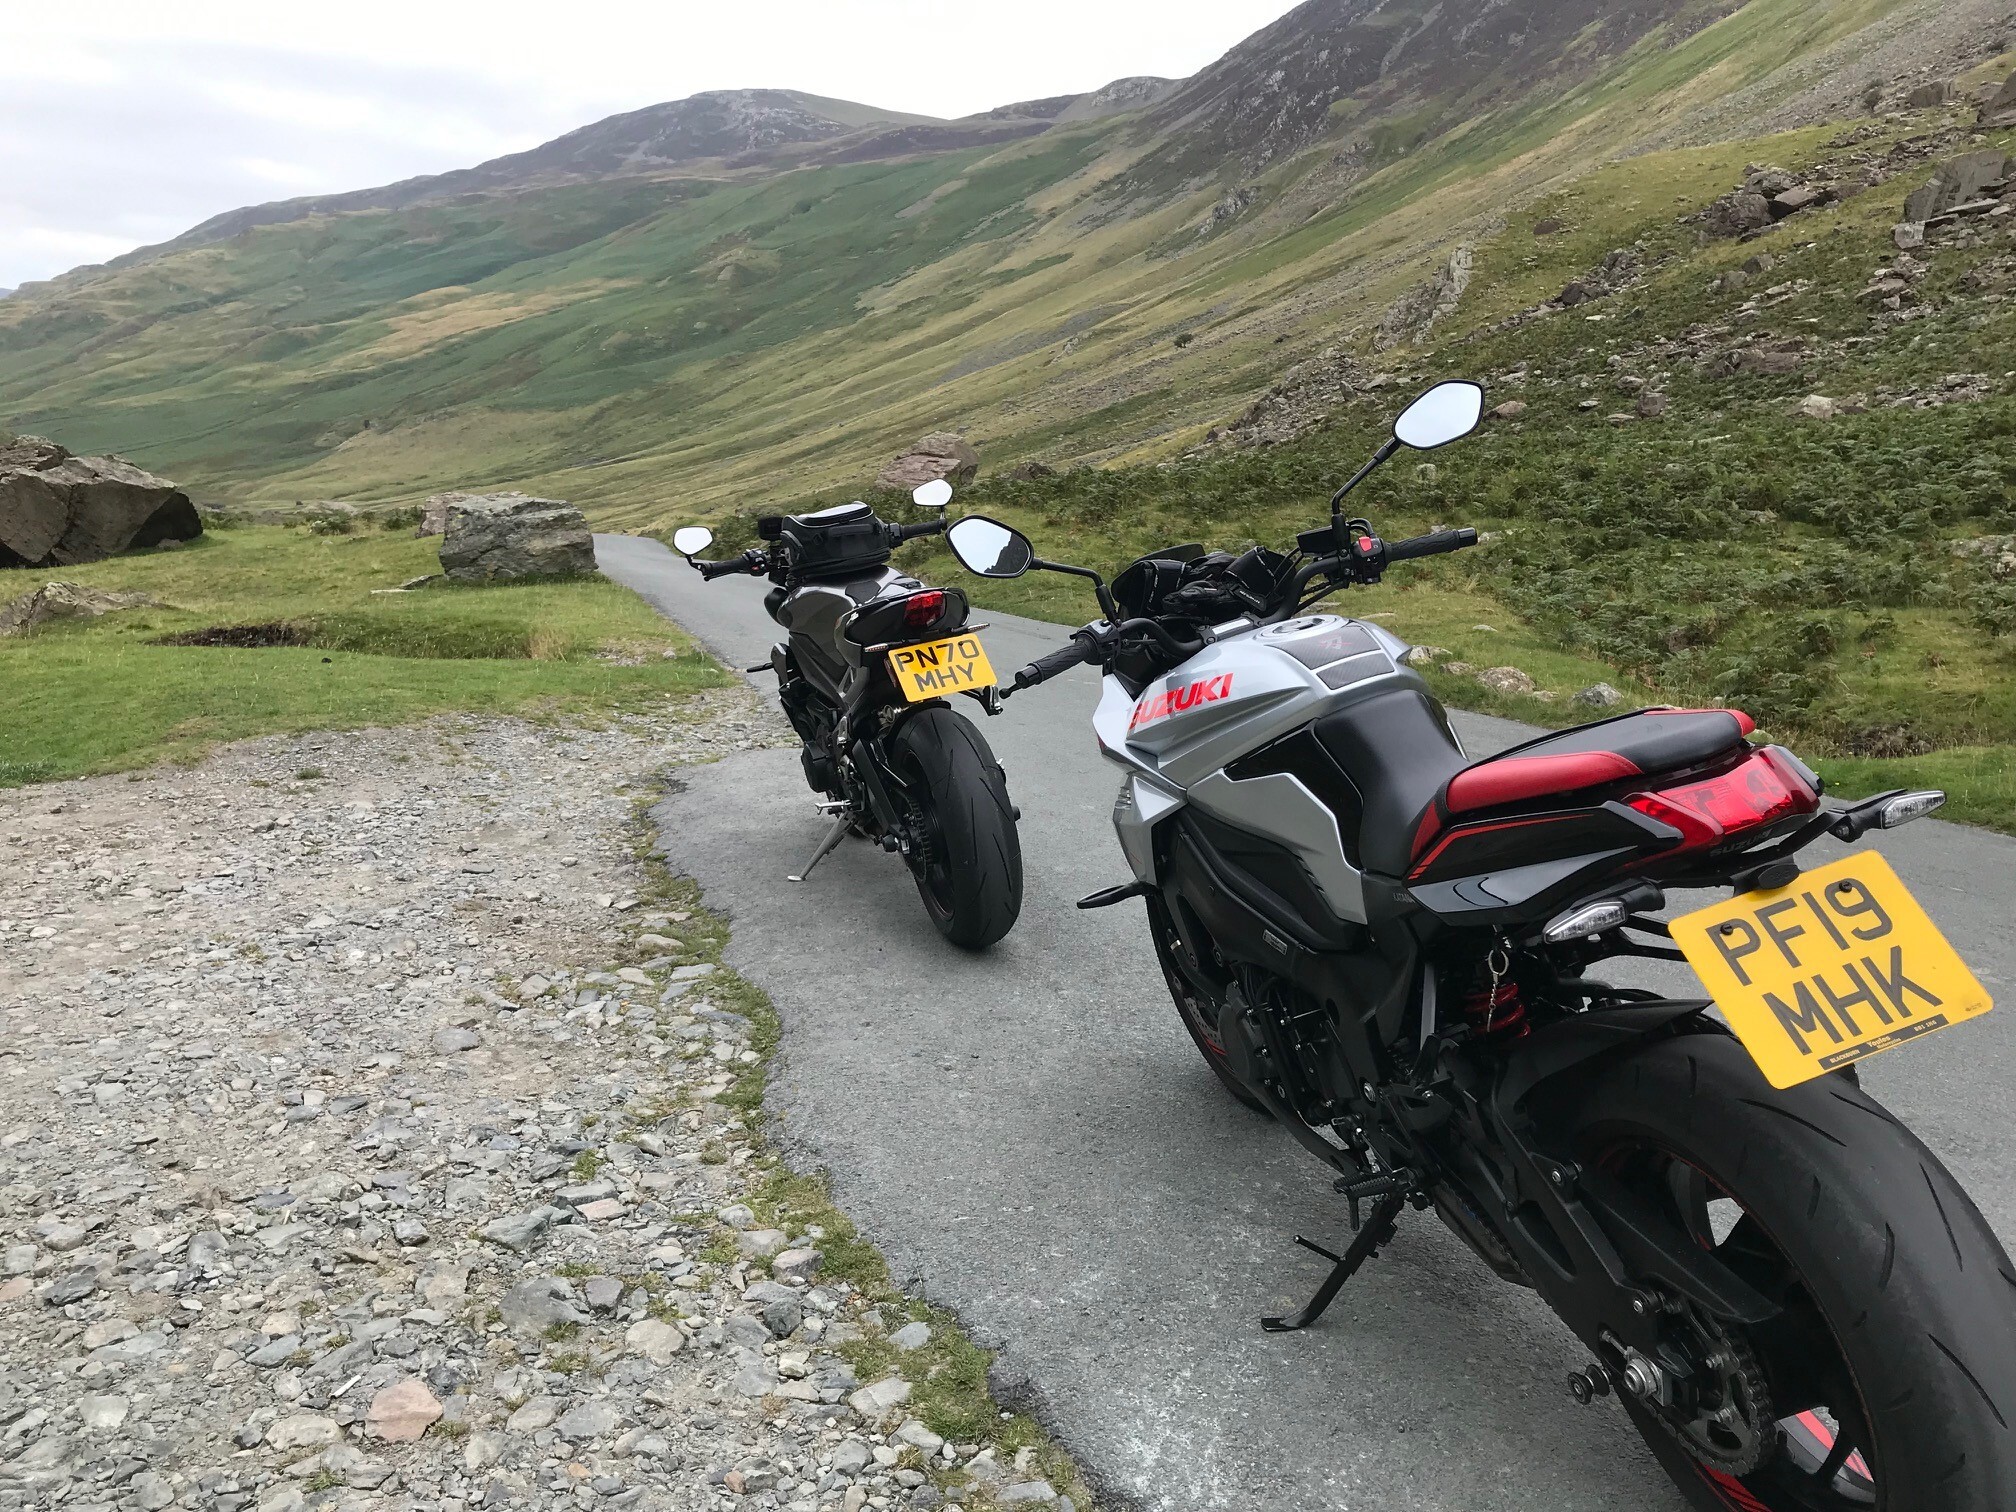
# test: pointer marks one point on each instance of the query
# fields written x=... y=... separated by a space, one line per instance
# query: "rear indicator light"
x=922 y=609
x=1764 y=787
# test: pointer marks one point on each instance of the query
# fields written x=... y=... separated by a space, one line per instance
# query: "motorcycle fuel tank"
x=1242 y=692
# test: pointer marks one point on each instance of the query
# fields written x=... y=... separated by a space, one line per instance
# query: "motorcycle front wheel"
x=966 y=854
x=1888 y=1382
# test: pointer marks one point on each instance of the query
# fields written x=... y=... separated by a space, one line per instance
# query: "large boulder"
x=54 y=601
x=58 y=509
x=495 y=537
x=940 y=455
x=1958 y=181
x=434 y=513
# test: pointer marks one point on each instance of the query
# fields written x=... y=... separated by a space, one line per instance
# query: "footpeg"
x=1397 y=1184
x=1376 y=1232
x=1106 y=897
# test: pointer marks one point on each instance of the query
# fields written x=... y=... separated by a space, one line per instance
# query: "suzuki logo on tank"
x=1175 y=700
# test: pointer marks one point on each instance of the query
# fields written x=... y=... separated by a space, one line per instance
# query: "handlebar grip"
x=712 y=570
x=912 y=532
x=1063 y=659
x=1430 y=545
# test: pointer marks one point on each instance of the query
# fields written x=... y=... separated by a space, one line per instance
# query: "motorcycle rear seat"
x=1398 y=752
x=1613 y=750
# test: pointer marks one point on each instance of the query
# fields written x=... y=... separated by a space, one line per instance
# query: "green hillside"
x=646 y=344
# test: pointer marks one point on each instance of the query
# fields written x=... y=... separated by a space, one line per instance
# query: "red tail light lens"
x=922 y=609
x=1763 y=787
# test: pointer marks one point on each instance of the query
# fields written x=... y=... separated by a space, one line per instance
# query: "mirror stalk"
x=1106 y=604
x=1379 y=459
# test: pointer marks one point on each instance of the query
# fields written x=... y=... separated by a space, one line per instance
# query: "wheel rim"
x=1815 y=1449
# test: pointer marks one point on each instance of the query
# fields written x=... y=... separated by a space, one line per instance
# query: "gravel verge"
x=379 y=1130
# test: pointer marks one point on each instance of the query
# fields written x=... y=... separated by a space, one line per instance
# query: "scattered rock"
x=303 y=1430
x=1505 y=680
x=58 y=509
x=1930 y=96
x=498 y=537
x=1598 y=696
x=519 y=1233
x=1511 y=409
x=912 y=1335
x=876 y=1402
x=1908 y=236
x=655 y=1341
x=1424 y=656
x=1737 y=214
x=401 y=1413
x=54 y=601
x=537 y=1304
x=1651 y=406
x=1818 y=407
x=939 y=455
x=1024 y=472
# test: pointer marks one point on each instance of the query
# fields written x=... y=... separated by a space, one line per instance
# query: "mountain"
x=758 y=294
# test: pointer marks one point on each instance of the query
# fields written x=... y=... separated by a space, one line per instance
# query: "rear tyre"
x=1196 y=1004
x=968 y=862
x=1889 y=1382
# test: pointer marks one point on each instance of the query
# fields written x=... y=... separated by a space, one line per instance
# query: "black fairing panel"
x=1397 y=750
x=1265 y=876
x=1305 y=758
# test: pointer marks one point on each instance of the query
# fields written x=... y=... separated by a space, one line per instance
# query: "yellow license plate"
x=1841 y=965
x=937 y=668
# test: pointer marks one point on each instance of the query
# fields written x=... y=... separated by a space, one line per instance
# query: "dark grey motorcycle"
x=869 y=660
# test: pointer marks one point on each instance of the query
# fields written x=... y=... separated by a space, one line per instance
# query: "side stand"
x=833 y=838
x=1378 y=1229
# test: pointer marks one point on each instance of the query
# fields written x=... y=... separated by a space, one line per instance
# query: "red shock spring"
x=1497 y=1009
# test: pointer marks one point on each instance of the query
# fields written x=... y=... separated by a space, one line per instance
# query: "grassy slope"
x=102 y=696
x=632 y=345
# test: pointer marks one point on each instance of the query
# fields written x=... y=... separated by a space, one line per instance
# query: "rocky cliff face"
x=1329 y=62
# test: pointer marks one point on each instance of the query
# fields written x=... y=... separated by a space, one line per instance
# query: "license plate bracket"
x=934 y=669
x=1839 y=965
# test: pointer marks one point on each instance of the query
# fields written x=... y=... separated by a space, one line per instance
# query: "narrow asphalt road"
x=1034 y=1142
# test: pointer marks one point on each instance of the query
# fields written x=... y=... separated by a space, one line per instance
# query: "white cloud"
x=124 y=117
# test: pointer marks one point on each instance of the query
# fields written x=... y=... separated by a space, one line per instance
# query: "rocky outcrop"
x=498 y=537
x=2000 y=108
x=939 y=455
x=1969 y=179
x=54 y=601
x=1414 y=314
x=58 y=509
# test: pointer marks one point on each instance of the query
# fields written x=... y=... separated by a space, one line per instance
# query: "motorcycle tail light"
x=1764 y=787
x=922 y=610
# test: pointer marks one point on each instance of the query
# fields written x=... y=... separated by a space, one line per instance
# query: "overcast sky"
x=124 y=122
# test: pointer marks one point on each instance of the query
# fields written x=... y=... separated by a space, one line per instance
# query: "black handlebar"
x=898 y=534
x=748 y=562
x=1430 y=545
x=1063 y=659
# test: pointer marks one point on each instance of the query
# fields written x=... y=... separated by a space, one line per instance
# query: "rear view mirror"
x=690 y=540
x=989 y=548
x=1447 y=412
x=933 y=495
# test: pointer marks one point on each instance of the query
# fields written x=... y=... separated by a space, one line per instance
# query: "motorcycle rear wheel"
x=1889 y=1382
x=968 y=859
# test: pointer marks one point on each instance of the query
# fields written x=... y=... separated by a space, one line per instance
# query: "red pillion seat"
x=1648 y=743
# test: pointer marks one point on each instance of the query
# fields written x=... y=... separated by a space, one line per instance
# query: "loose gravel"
x=363 y=1145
